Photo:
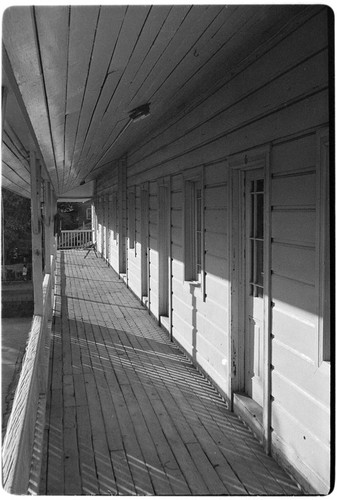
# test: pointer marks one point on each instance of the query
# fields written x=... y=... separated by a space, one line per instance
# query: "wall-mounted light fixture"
x=140 y=112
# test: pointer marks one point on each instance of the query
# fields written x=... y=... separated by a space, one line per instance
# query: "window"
x=193 y=229
x=88 y=213
x=256 y=195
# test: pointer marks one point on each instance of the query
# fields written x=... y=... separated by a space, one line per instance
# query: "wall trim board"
x=293 y=208
x=294 y=172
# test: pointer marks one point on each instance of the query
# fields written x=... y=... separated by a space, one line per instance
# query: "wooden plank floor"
x=127 y=412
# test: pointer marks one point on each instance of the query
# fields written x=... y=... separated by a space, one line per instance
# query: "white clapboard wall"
x=279 y=98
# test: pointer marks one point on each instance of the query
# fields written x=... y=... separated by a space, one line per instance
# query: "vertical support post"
x=48 y=234
x=122 y=165
x=105 y=226
x=35 y=175
x=3 y=260
x=109 y=226
x=53 y=215
x=53 y=245
x=53 y=211
x=3 y=109
x=94 y=220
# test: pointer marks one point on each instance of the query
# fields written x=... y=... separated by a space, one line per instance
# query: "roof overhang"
x=79 y=194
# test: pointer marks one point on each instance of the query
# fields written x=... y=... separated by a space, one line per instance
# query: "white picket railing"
x=76 y=238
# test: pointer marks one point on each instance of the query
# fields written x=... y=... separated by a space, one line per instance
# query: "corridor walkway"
x=127 y=412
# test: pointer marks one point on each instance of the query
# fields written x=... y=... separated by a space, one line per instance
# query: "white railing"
x=76 y=238
x=22 y=445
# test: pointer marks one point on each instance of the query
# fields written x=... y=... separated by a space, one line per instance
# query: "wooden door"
x=254 y=283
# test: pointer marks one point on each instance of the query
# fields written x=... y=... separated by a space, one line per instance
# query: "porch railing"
x=76 y=238
x=22 y=444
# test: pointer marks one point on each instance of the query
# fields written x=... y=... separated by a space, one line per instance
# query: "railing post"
x=35 y=174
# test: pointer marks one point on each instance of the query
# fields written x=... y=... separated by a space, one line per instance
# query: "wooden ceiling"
x=72 y=74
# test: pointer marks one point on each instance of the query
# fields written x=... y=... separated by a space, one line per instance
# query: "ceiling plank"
x=117 y=105
x=195 y=23
x=52 y=28
x=10 y=139
x=13 y=176
x=132 y=26
x=109 y=24
x=16 y=163
x=192 y=26
x=83 y=24
x=20 y=42
x=99 y=156
x=228 y=52
x=8 y=184
x=193 y=62
x=198 y=62
x=167 y=32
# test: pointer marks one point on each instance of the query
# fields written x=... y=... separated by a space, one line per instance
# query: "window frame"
x=192 y=181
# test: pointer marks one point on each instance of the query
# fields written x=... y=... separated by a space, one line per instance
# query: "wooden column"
x=54 y=213
x=47 y=223
x=122 y=166
x=4 y=104
x=35 y=176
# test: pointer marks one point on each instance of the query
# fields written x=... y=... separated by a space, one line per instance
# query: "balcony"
x=123 y=411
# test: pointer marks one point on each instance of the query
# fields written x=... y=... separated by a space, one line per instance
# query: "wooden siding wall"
x=280 y=99
x=300 y=384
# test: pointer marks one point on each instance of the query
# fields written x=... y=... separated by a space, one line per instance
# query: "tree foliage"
x=65 y=207
x=16 y=223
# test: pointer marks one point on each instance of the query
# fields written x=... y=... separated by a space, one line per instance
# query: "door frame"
x=237 y=166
